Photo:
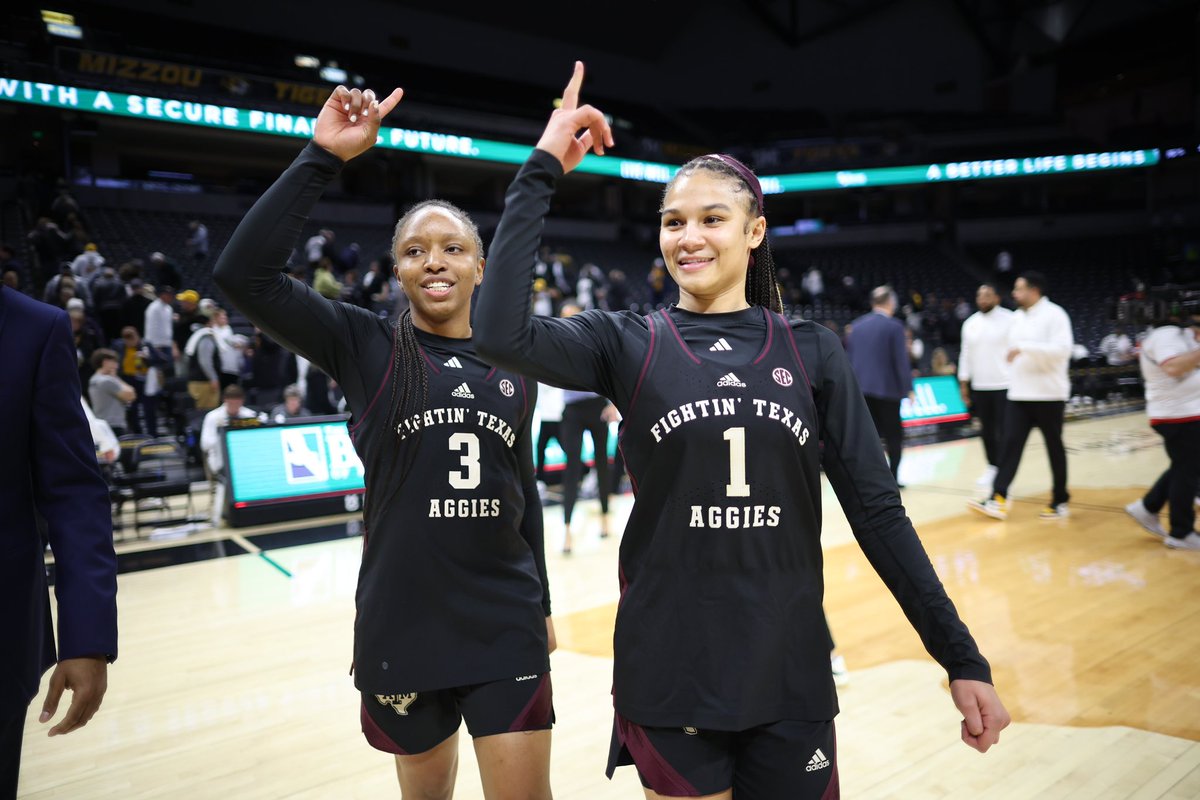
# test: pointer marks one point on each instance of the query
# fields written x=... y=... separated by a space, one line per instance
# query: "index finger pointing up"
x=570 y=98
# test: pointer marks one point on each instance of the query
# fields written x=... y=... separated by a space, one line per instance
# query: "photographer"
x=1170 y=364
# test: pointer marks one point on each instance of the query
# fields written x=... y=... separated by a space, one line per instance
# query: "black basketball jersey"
x=724 y=538
x=452 y=586
x=448 y=592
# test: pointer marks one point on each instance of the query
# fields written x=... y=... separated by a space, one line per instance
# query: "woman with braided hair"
x=453 y=608
x=722 y=682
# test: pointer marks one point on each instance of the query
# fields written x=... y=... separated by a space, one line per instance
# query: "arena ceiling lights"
x=222 y=117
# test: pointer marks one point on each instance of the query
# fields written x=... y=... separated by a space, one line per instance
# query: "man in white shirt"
x=1039 y=356
x=159 y=325
x=1170 y=363
x=210 y=442
x=983 y=371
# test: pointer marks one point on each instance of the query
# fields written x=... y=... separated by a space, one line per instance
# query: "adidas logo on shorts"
x=464 y=392
x=731 y=380
x=818 y=761
x=454 y=363
x=720 y=346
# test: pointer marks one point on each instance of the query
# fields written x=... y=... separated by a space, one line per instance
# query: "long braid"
x=762 y=285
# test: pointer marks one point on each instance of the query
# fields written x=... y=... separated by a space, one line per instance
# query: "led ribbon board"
x=223 y=117
x=938 y=399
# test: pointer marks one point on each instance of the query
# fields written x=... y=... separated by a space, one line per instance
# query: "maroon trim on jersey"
x=537 y=712
x=375 y=735
x=834 y=790
x=632 y=480
x=796 y=353
x=637 y=389
x=682 y=345
x=524 y=397
x=370 y=406
x=654 y=768
x=437 y=370
x=770 y=337
x=488 y=377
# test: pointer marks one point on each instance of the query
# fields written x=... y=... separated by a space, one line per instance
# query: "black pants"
x=1020 y=417
x=550 y=429
x=988 y=408
x=1179 y=484
x=886 y=414
x=577 y=418
x=12 y=728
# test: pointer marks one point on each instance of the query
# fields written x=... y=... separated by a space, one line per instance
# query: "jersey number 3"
x=737 y=486
x=468 y=476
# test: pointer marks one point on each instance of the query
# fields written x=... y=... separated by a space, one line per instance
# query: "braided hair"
x=409 y=395
x=762 y=286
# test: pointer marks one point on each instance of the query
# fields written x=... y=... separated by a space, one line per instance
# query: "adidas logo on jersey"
x=720 y=345
x=464 y=392
x=731 y=380
x=453 y=362
x=818 y=761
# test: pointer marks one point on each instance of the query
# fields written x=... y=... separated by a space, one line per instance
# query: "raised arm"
x=250 y=270
x=575 y=352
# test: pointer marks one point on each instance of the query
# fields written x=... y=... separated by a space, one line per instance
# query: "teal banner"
x=291 y=462
x=938 y=399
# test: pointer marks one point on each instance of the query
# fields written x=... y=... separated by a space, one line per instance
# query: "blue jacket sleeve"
x=72 y=497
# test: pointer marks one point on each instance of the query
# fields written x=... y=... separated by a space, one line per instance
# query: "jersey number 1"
x=468 y=477
x=737 y=486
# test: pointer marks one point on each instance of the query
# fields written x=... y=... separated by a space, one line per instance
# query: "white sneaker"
x=841 y=675
x=1060 y=511
x=1145 y=518
x=996 y=507
x=987 y=478
x=1189 y=542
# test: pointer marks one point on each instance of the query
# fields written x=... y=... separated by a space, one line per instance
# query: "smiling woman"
x=452 y=554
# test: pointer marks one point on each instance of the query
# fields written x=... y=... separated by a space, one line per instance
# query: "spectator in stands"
x=87 y=338
x=77 y=233
x=940 y=363
x=233 y=407
x=9 y=261
x=657 y=281
x=197 y=242
x=87 y=263
x=108 y=299
x=352 y=291
x=64 y=205
x=318 y=246
x=375 y=285
x=349 y=257
x=10 y=276
x=1039 y=352
x=914 y=346
x=229 y=354
x=983 y=372
x=813 y=284
x=323 y=281
x=139 y=296
x=876 y=348
x=589 y=285
x=62 y=288
x=1170 y=364
x=617 y=296
x=267 y=364
x=135 y=361
x=51 y=245
x=1117 y=348
x=163 y=271
x=291 y=407
x=203 y=366
x=109 y=394
x=157 y=324
x=187 y=321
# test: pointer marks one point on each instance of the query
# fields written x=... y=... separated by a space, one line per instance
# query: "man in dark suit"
x=879 y=356
x=48 y=474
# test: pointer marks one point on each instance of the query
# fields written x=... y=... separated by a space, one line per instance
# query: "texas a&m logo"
x=398 y=702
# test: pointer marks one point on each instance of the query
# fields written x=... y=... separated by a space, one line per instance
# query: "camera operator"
x=1170 y=364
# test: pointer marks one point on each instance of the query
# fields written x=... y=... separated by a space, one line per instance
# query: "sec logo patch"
x=507 y=388
x=782 y=376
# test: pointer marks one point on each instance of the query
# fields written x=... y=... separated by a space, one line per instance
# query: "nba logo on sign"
x=507 y=388
x=304 y=456
x=782 y=376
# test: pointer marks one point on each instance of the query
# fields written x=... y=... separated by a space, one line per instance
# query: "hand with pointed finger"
x=87 y=678
x=349 y=121
x=984 y=716
x=561 y=138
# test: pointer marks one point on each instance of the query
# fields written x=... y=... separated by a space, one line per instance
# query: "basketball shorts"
x=792 y=759
x=407 y=724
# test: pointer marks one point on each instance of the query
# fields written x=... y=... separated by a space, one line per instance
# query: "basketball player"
x=722 y=681
x=453 y=608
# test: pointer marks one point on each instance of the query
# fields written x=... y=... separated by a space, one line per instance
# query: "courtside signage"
x=938 y=399
x=274 y=464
